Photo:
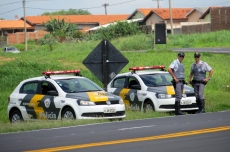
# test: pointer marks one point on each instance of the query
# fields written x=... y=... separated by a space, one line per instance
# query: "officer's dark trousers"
x=199 y=93
x=178 y=91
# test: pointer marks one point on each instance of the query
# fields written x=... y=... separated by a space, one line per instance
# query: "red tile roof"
x=177 y=13
x=13 y=24
x=101 y=19
x=145 y=11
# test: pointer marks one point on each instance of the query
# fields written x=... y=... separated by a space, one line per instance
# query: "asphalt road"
x=208 y=132
x=211 y=50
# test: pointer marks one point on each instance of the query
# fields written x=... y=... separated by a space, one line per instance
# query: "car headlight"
x=121 y=101
x=163 y=96
x=86 y=103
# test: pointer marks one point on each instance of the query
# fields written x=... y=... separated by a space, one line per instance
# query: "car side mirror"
x=52 y=93
x=136 y=86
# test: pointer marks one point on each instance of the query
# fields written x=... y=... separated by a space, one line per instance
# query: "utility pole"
x=171 y=20
x=25 y=33
x=158 y=3
x=105 y=5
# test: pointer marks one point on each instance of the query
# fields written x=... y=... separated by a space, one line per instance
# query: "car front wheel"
x=68 y=114
x=16 y=116
x=148 y=106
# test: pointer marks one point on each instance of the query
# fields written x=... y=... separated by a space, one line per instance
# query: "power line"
x=11 y=10
x=122 y=3
x=83 y=8
x=59 y=8
x=10 y=3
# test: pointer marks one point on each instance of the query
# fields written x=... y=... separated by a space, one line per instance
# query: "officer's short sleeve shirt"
x=202 y=65
x=175 y=64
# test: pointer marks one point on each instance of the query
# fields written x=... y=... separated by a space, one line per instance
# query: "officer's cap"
x=197 y=54
x=181 y=54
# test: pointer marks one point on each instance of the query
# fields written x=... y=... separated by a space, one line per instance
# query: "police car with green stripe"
x=58 y=95
x=150 y=88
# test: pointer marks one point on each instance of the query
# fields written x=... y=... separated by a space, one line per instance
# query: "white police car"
x=62 y=97
x=150 y=88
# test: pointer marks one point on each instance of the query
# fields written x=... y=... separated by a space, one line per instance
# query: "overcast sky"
x=11 y=9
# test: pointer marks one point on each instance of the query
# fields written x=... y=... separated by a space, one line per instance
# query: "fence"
x=18 y=37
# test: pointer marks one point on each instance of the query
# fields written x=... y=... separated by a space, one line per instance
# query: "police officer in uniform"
x=176 y=69
x=198 y=73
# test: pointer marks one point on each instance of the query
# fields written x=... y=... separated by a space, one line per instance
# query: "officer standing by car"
x=176 y=69
x=198 y=73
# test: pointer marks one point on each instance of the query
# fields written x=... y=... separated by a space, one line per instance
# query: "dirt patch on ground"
x=4 y=59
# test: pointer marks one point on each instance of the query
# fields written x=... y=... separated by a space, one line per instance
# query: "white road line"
x=137 y=127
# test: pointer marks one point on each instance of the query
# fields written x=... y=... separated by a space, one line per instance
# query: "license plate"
x=110 y=110
x=185 y=102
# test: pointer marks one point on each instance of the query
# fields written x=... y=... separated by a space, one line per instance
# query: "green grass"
x=16 y=67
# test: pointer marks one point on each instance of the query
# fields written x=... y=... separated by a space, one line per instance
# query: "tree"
x=69 y=12
x=49 y=40
x=60 y=28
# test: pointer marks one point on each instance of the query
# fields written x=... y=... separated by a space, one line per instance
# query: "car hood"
x=170 y=89
x=93 y=96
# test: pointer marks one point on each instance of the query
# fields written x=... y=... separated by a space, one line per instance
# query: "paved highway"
x=208 y=132
x=225 y=50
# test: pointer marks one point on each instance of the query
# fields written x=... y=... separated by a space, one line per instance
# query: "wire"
x=122 y=3
x=83 y=8
x=10 y=3
x=11 y=10
x=22 y=1
x=63 y=9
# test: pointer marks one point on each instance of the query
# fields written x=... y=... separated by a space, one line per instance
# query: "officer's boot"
x=201 y=106
x=177 y=108
x=198 y=105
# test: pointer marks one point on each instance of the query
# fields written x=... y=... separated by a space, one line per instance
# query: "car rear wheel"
x=68 y=114
x=16 y=116
x=148 y=106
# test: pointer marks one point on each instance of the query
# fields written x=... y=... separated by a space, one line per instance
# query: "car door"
x=28 y=99
x=133 y=87
x=48 y=106
x=127 y=87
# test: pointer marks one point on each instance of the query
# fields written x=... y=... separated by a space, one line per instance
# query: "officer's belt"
x=181 y=81
x=197 y=81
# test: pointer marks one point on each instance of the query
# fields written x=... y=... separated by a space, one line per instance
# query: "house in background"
x=195 y=14
x=206 y=16
x=83 y=22
x=140 y=13
x=162 y=15
x=13 y=26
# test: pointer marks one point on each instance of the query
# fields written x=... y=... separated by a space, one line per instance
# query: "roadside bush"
x=120 y=29
x=48 y=39
x=78 y=34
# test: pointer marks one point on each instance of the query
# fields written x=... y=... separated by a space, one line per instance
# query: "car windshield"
x=78 y=85
x=158 y=79
x=12 y=49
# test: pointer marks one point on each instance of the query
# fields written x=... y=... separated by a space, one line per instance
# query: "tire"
x=148 y=106
x=68 y=114
x=192 y=111
x=16 y=117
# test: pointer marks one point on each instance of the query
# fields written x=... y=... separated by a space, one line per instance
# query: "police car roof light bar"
x=147 y=68
x=48 y=73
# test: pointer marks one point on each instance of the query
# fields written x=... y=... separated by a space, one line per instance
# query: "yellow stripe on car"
x=123 y=94
x=170 y=90
x=97 y=96
x=35 y=101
